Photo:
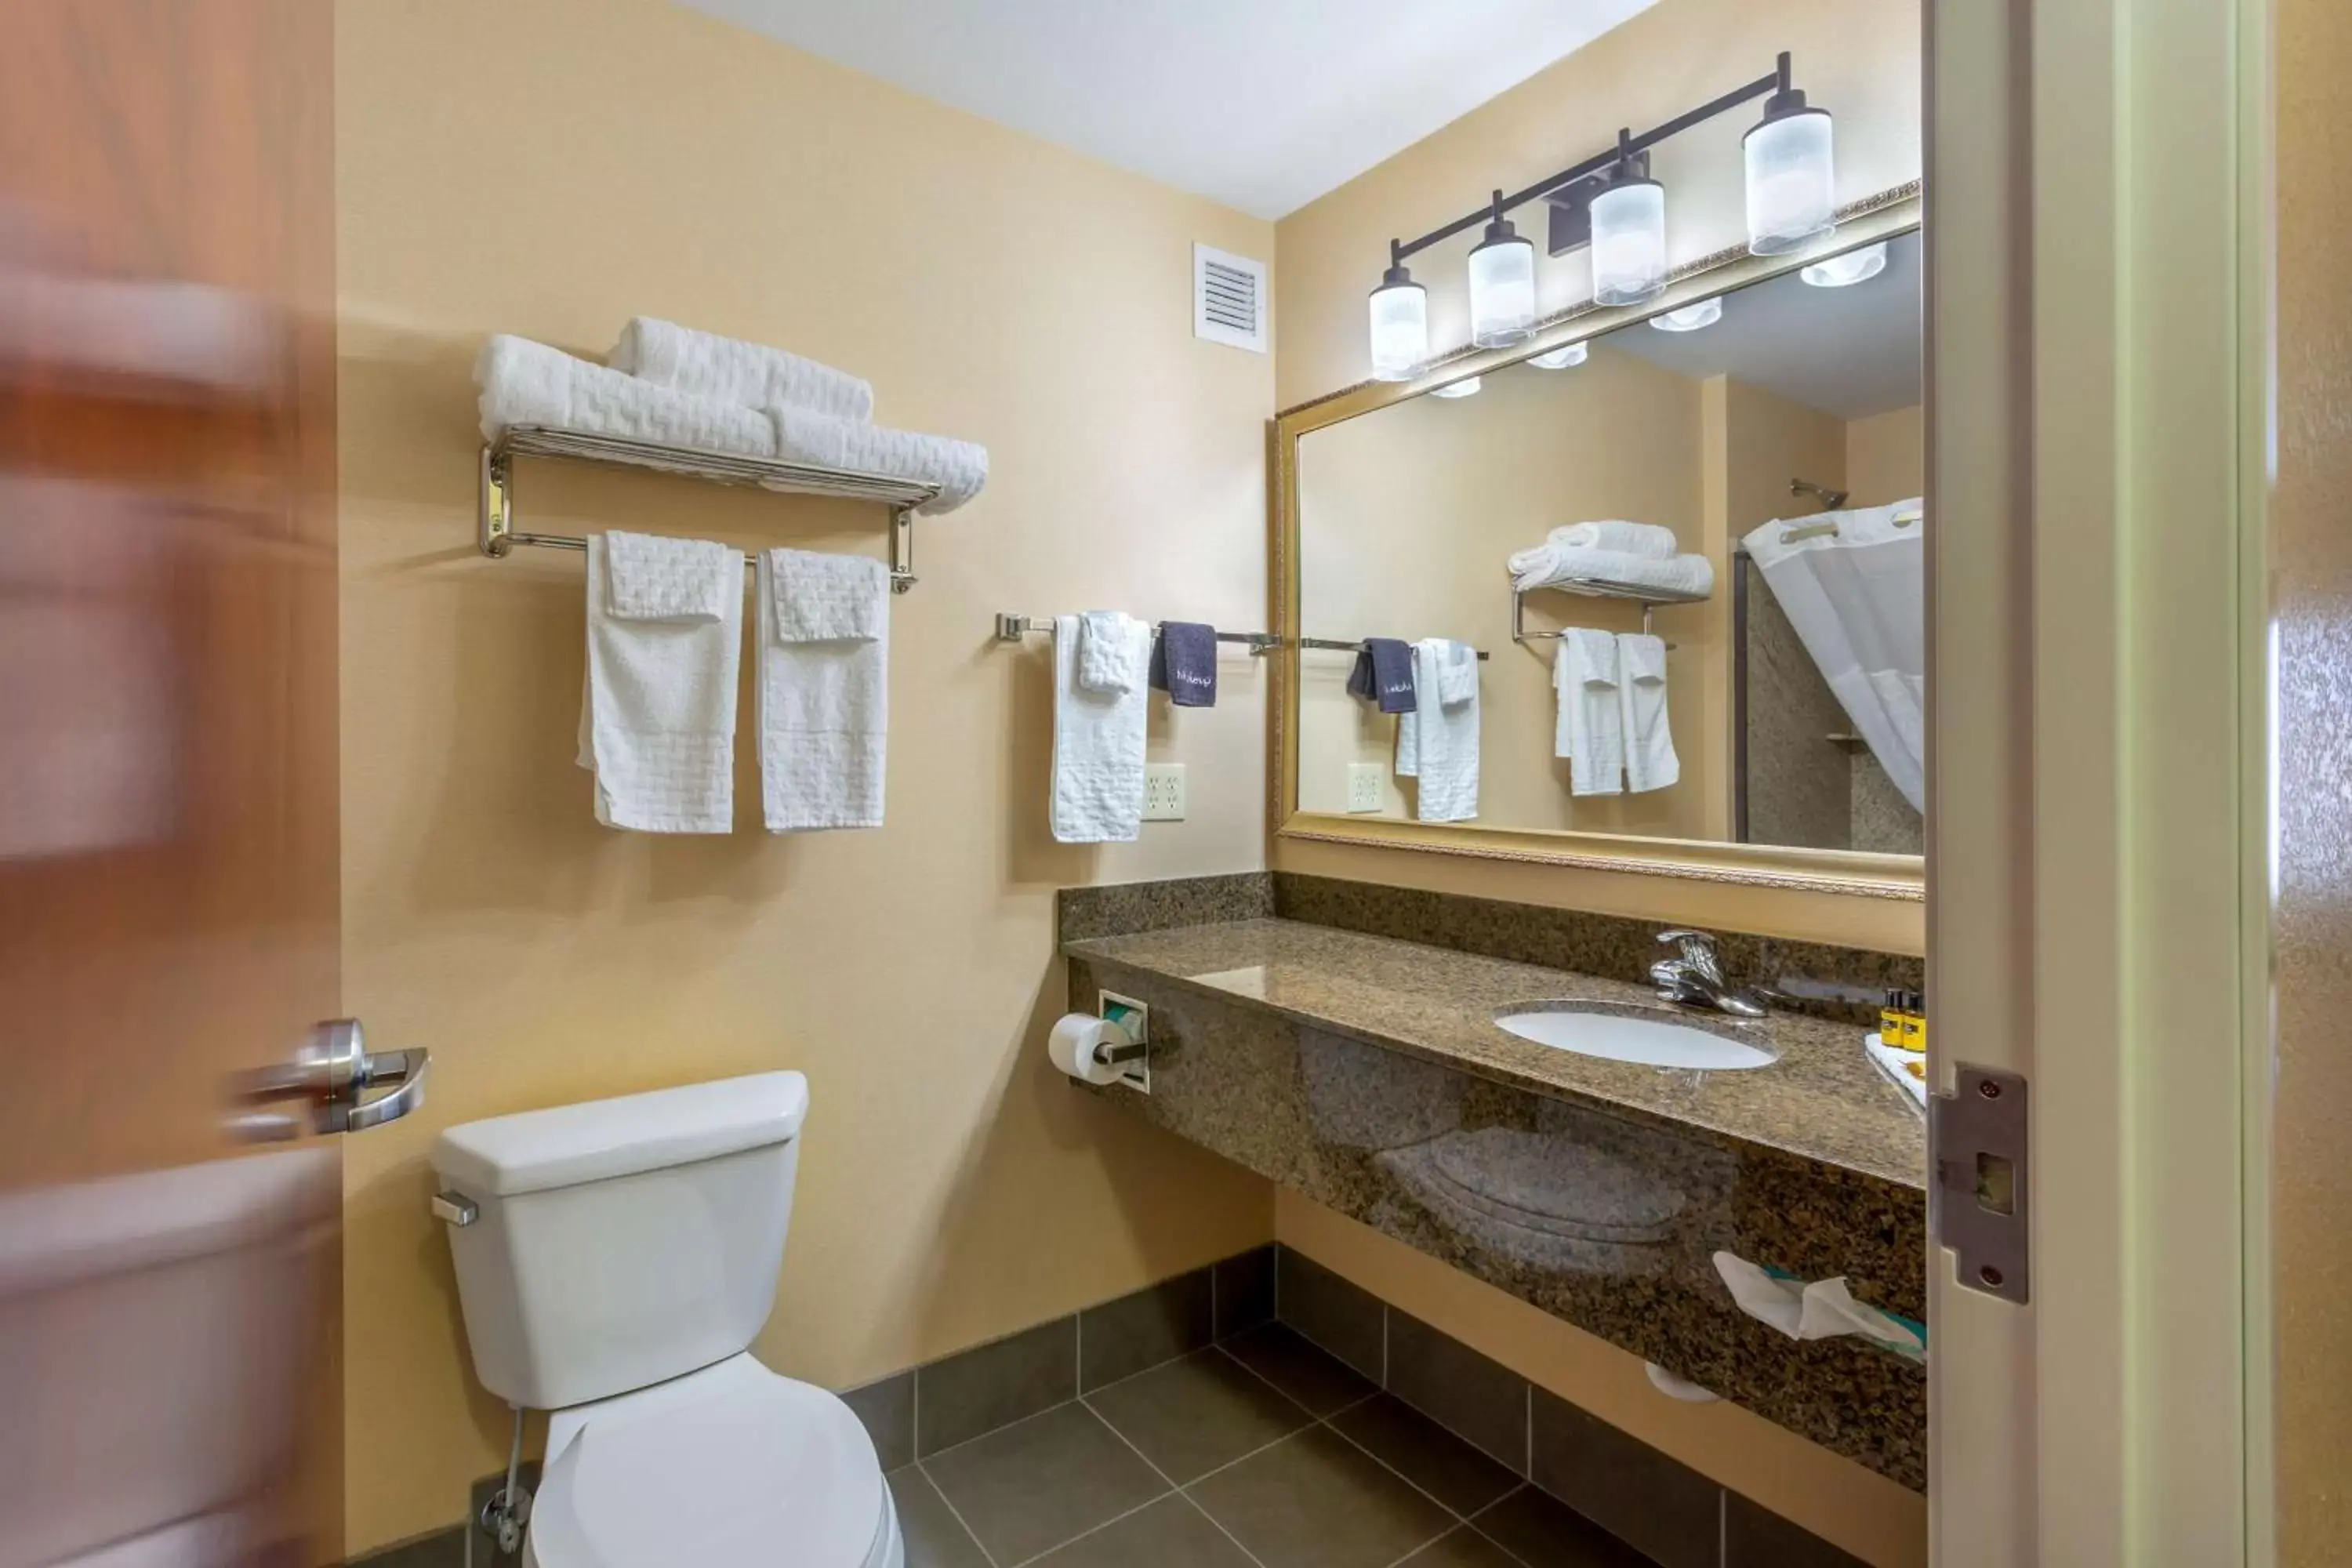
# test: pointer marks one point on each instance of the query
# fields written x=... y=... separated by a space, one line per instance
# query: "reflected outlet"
x=1163 y=792
x=1364 y=787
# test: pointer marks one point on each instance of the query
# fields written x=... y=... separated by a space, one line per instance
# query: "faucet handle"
x=1705 y=938
x=1696 y=950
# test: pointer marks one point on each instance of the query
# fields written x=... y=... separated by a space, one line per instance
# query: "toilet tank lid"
x=598 y=1140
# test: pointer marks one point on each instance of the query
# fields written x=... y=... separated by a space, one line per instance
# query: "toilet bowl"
x=615 y=1259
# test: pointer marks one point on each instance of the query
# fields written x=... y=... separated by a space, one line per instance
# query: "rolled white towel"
x=1632 y=537
x=1691 y=576
x=735 y=370
x=525 y=382
x=958 y=468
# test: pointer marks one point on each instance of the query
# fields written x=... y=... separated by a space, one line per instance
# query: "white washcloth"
x=657 y=717
x=1107 y=643
x=1646 y=539
x=733 y=370
x=1650 y=760
x=1437 y=743
x=649 y=577
x=524 y=383
x=824 y=690
x=958 y=468
x=1589 y=729
x=1565 y=566
x=1099 y=747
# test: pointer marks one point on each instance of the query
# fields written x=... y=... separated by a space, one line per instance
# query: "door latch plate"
x=1982 y=1200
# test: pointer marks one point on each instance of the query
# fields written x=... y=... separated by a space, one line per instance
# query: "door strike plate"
x=1981 y=1198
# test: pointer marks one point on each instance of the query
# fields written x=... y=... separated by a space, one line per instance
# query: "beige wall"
x=1886 y=456
x=550 y=167
x=1879 y=1521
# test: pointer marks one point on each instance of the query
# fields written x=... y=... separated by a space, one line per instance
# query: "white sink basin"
x=1657 y=1041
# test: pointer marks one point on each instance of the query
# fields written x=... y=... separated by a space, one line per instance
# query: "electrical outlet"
x=1364 y=787
x=1163 y=792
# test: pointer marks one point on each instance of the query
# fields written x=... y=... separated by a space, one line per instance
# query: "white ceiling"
x=1851 y=352
x=1262 y=104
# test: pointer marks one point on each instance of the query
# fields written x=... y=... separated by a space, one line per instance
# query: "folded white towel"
x=1106 y=644
x=657 y=716
x=824 y=690
x=1650 y=760
x=1565 y=566
x=1099 y=747
x=958 y=468
x=733 y=370
x=1589 y=729
x=1437 y=743
x=649 y=577
x=1631 y=538
x=524 y=383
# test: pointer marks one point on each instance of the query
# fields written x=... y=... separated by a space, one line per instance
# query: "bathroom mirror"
x=1731 y=687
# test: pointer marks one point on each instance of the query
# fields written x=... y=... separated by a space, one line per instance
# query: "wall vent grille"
x=1229 y=301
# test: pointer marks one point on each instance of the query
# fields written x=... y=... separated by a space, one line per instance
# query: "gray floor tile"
x=1144 y=1328
x=1316 y=1501
x=1191 y=1415
x=1543 y=1533
x=1337 y=1314
x=1170 y=1533
x=1462 y=1547
x=995 y=1384
x=1629 y=1489
x=1245 y=1291
x=1425 y=1453
x=1470 y=1395
x=1041 y=1482
x=1286 y=1360
x=887 y=1409
x=1756 y=1537
x=935 y=1538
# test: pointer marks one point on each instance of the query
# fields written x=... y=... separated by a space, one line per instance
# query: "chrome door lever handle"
x=335 y=1072
x=406 y=1068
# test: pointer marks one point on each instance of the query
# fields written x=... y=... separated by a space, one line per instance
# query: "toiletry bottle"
x=1915 y=1026
x=1890 y=1019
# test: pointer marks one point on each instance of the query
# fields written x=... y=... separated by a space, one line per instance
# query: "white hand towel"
x=657 y=717
x=1591 y=728
x=1631 y=538
x=1107 y=643
x=1099 y=747
x=1437 y=743
x=824 y=690
x=958 y=468
x=649 y=577
x=1650 y=760
x=524 y=383
x=1561 y=566
x=733 y=370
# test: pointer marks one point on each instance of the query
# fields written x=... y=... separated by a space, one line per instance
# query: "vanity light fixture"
x=1562 y=358
x=1399 y=313
x=1610 y=202
x=1690 y=318
x=1502 y=285
x=1846 y=270
x=1791 y=184
x=1466 y=387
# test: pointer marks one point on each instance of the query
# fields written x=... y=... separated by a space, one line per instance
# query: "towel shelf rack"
x=498 y=533
x=1595 y=588
x=1013 y=628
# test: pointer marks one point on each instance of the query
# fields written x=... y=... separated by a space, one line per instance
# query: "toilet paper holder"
x=1134 y=1019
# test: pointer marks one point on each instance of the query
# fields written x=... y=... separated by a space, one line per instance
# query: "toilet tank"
x=618 y=1243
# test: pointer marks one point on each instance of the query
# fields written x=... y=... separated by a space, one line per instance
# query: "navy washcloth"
x=1184 y=663
x=1384 y=672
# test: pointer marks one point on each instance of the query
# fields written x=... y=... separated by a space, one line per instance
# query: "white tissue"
x=1072 y=1047
x=1821 y=1310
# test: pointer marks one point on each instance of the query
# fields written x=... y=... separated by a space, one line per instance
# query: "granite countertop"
x=1821 y=1098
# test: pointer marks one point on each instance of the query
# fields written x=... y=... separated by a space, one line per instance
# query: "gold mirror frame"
x=1884 y=216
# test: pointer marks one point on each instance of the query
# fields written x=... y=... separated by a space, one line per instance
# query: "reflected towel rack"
x=498 y=533
x=1594 y=588
x=1337 y=647
x=1013 y=628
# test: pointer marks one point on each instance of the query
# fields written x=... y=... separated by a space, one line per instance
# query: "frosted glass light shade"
x=1845 y=271
x=1466 y=387
x=1690 y=318
x=1502 y=288
x=1629 y=242
x=1791 y=185
x=1400 y=320
x=1562 y=359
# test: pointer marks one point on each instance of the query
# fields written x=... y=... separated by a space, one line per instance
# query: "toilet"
x=615 y=1259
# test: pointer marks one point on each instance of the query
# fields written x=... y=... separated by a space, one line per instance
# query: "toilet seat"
x=731 y=1466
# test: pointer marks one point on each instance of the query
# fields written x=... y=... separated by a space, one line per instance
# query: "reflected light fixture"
x=1629 y=234
x=1690 y=318
x=1791 y=184
x=1846 y=270
x=1562 y=358
x=1502 y=285
x=1466 y=387
x=1400 y=313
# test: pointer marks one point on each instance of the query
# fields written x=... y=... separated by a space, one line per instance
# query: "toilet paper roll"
x=1072 y=1047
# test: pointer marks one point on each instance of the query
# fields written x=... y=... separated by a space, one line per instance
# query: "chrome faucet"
x=1693 y=977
